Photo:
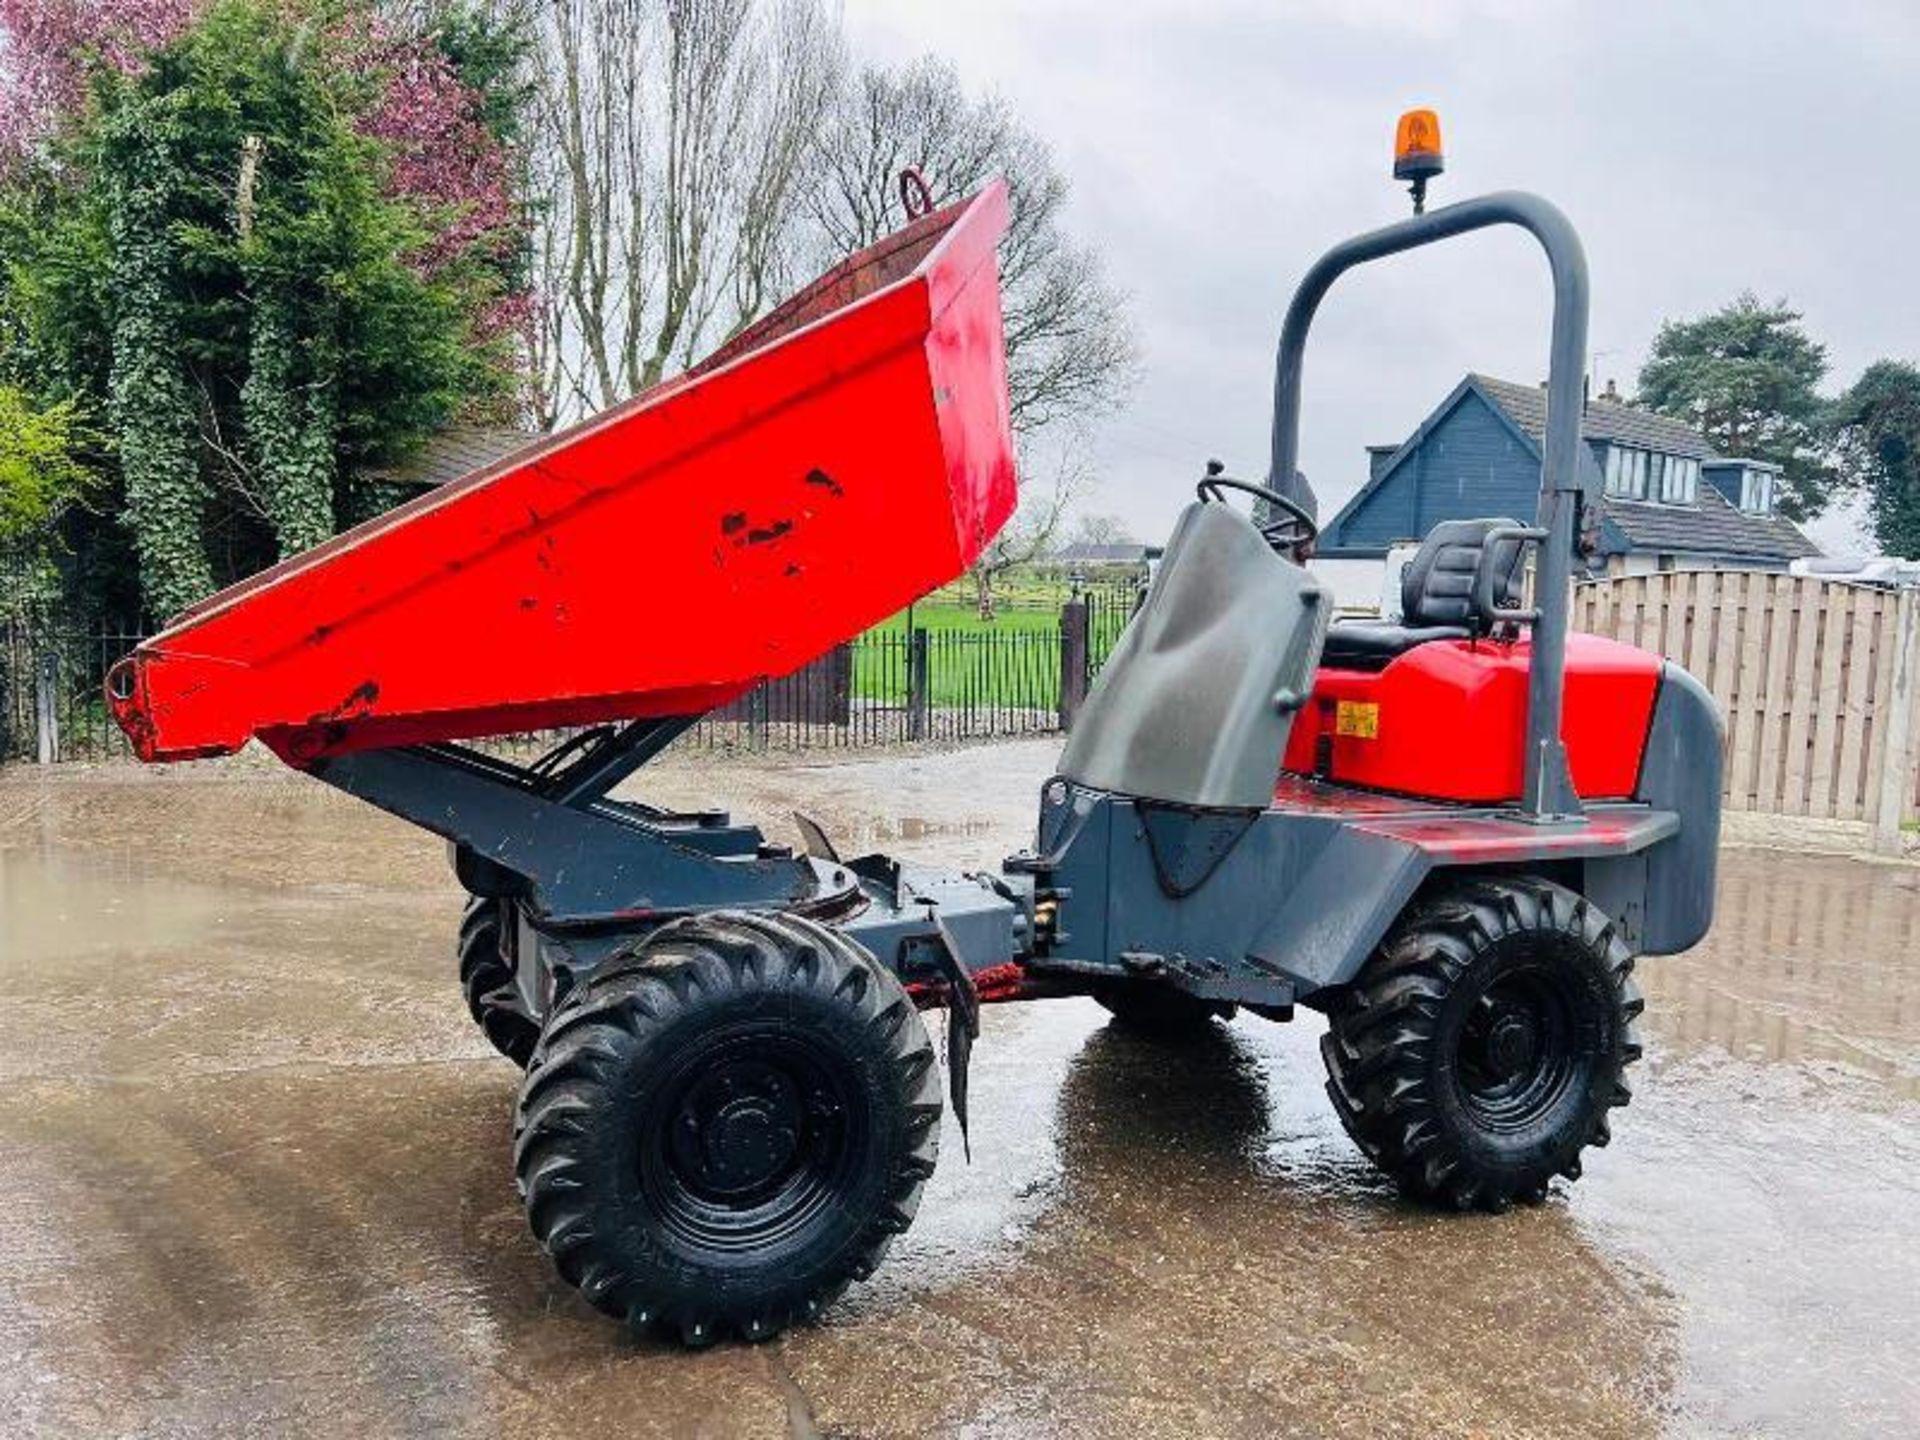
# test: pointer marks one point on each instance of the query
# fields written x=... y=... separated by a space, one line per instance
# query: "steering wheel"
x=1291 y=529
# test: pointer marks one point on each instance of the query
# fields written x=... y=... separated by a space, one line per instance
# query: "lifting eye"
x=120 y=681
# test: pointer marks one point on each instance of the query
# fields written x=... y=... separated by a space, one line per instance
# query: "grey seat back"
x=1195 y=702
x=1437 y=588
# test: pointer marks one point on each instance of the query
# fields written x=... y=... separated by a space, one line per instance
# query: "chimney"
x=1611 y=394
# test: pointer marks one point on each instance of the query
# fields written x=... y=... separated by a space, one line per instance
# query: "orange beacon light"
x=1417 y=154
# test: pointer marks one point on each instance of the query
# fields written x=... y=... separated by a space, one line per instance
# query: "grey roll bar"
x=1547 y=791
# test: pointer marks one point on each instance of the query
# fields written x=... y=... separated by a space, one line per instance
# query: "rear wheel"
x=487 y=981
x=1158 y=1011
x=724 y=1128
x=1481 y=1049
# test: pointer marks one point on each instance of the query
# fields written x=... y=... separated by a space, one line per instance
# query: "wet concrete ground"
x=254 y=1174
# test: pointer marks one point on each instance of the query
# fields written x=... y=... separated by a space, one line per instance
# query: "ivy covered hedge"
x=252 y=252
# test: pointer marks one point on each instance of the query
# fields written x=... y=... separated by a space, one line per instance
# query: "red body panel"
x=830 y=465
x=1451 y=720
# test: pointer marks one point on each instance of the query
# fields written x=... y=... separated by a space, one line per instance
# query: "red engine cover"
x=1448 y=719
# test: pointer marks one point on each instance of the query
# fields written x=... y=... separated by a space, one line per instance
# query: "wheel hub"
x=1514 y=1049
x=738 y=1129
x=746 y=1145
x=1513 y=1044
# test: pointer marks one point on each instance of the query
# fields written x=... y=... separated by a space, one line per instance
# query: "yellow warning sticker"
x=1358 y=718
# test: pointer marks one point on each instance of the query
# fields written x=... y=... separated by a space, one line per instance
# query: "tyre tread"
x=1377 y=1043
x=573 y=1067
x=487 y=983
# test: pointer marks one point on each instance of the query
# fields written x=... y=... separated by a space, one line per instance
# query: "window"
x=1679 y=480
x=1756 y=491
x=1627 y=473
x=1645 y=475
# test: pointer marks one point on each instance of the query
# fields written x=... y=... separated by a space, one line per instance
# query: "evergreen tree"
x=1747 y=377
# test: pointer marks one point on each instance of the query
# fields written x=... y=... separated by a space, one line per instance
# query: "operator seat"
x=1436 y=596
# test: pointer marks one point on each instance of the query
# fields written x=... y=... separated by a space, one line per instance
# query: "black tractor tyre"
x=724 y=1127
x=1480 y=1050
x=1160 y=1012
x=487 y=981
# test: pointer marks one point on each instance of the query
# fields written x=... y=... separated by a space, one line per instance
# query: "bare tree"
x=670 y=143
x=1070 y=349
x=1030 y=535
x=691 y=155
x=1102 y=530
x=589 y=162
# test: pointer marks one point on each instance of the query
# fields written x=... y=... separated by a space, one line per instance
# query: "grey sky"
x=1216 y=149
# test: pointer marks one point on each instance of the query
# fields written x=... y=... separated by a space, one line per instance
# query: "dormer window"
x=1756 y=490
x=1635 y=474
x=1679 y=479
x=1627 y=473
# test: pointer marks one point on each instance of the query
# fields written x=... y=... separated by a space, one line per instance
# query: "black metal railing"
x=1023 y=674
x=52 y=706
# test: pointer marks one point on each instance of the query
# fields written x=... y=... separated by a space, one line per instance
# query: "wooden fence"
x=1817 y=681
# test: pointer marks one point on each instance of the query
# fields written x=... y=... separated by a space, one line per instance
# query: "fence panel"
x=16 y=698
x=1809 y=674
x=1109 y=608
x=1805 y=671
x=1910 y=663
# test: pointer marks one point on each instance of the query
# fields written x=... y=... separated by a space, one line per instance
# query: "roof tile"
x=1710 y=526
x=454 y=452
x=1526 y=406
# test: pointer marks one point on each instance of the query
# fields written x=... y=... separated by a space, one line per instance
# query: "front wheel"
x=1480 y=1050
x=723 y=1128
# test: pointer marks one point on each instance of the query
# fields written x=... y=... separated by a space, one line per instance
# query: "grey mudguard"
x=1194 y=705
x=1663 y=898
x=1299 y=894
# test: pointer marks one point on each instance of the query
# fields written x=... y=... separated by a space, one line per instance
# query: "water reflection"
x=1811 y=959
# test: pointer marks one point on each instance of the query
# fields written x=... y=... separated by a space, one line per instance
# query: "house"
x=1668 y=501
x=454 y=452
x=1089 y=555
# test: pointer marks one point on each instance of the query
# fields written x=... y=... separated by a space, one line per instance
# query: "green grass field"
x=963 y=617
x=1020 y=603
x=1010 y=662
x=986 y=666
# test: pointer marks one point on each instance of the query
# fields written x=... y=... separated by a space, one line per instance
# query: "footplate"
x=1253 y=984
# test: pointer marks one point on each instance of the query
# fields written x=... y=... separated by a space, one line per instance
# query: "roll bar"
x=1547 y=790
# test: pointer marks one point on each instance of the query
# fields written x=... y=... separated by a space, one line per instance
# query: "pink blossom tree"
x=313 y=252
x=441 y=153
x=442 y=157
x=46 y=47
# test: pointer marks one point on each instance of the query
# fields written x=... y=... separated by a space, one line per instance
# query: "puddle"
x=254 y=1173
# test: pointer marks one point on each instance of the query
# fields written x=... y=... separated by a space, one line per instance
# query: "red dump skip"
x=828 y=466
